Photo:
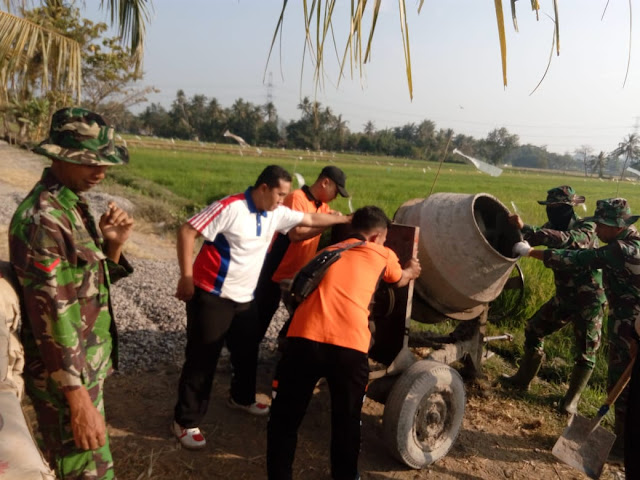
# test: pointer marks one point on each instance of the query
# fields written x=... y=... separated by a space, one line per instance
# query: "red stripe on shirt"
x=206 y=216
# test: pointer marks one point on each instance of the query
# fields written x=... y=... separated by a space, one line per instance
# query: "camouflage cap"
x=562 y=195
x=614 y=212
x=83 y=137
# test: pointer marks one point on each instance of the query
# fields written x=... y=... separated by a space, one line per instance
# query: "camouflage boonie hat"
x=562 y=195
x=614 y=212
x=82 y=137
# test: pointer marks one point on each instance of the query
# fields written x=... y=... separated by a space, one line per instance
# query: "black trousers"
x=632 y=427
x=303 y=363
x=267 y=299
x=212 y=321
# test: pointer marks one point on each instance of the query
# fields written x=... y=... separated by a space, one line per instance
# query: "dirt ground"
x=502 y=437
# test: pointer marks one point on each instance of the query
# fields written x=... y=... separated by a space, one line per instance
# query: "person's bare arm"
x=537 y=254
x=298 y=234
x=186 y=240
x=410 y=272
x=323 y=220
x=87 y=424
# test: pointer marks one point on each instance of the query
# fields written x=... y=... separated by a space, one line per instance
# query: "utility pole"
x=270 y=106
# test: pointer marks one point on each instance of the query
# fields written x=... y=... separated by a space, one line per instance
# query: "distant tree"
x=369 y=128
x=407 y=132
x=599 y=163
x=465 y=144
x=36 y=51
x=337 y=133
x=179 y=118
x=528 y=156
x=629 y=148
x=108 y=71
x=155 y=121
x=497 y=144
x=585 y=153
x=216 y=120
x=269 y=133
x=425 y=133
x=245 y=120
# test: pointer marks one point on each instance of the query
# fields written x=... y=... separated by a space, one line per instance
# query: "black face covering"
x=560 y=215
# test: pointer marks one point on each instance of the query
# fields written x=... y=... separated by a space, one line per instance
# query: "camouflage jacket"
x=56 y=252
x=582 y=283
x=620 y=264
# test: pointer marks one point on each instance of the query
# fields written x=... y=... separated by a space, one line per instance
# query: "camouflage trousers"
x=56 y=438
x=621 y=336
x=554 y=315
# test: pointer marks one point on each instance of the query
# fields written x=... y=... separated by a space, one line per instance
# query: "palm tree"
x=630 y=148
x=22 y=41
x=599 y=164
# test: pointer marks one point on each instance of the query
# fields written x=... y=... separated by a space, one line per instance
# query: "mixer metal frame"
x=395 y=355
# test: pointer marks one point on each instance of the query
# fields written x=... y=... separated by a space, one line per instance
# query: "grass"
x=183 y=181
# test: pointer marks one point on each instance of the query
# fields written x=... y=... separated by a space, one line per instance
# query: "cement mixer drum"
x=464 y=250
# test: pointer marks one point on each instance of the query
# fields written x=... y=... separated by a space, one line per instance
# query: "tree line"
x=111 y=87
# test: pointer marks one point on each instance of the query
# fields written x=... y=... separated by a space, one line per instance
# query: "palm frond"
x=513 y=15
x=131 y=16
x=21 y=39
x=557 y=23
x=629 y=58
x=315 y=16
x=535 y=6
x=503 y=39
x=548 y=63
x=404 y=28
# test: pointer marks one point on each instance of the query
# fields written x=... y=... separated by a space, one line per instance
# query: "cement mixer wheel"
x=423 y=413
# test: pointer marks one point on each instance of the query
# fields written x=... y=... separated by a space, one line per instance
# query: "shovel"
x=584 y=444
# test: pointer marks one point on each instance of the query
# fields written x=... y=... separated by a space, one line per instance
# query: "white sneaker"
x=255 y=408
x=190 y=438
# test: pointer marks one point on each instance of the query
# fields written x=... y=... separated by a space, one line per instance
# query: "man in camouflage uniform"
x=620 y=264
x=65 y=266
x=578 y=299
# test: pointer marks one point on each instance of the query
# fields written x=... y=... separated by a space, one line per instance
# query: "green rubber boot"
x=529 y=366
x=578 y=381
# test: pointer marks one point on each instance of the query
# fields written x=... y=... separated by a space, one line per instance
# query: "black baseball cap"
x=338 y=176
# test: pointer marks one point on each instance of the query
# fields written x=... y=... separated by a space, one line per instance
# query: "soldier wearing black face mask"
x=579 y=298
x=560 y=216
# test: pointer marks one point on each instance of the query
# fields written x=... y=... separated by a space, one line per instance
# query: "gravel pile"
x=151 y=321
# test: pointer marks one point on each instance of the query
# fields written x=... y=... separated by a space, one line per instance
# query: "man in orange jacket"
x=329 y=337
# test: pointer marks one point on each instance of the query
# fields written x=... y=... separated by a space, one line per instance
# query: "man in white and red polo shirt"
x=218 y=289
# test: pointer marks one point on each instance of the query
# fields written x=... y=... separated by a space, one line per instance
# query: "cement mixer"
x=464 y=245
x=464 y=249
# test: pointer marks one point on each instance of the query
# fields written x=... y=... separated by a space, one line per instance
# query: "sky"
x=219 y=48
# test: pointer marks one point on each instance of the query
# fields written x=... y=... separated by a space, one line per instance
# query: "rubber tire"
x=426 y=384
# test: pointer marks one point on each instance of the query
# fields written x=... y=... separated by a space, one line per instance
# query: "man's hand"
x=115 y=225
x=87 y=424
x=637 y=325
x=413 y=268
x=185 y=288
x=516 y=221
x=521 y=249
x=411 y=271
